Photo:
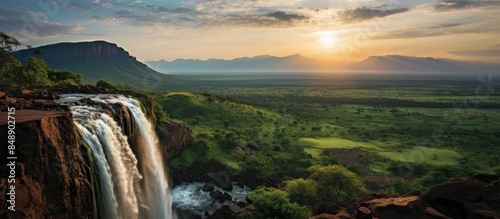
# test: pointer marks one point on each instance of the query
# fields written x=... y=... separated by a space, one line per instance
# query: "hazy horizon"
x=330 y=30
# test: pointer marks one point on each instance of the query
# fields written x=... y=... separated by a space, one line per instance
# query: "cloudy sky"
x=347 y=30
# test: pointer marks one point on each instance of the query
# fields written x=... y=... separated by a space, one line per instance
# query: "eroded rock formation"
x=53 y=169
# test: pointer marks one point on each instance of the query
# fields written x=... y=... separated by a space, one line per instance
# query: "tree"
x=397 y=186
x=104 y=83
x=8 y=43
x=8 y=64
x=272 y=203
x=301 y=191
x=258 y=165
x=336 y=183
x=33 y=74
x=64 y=77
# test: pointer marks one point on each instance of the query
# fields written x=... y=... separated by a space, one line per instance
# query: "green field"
x=262 y=124
x=417 y=154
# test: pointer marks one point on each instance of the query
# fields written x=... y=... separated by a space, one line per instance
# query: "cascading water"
x=132 y=185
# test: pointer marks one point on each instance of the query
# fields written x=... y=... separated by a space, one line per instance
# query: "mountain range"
x=101 y=59
x=298 y=63
x=96 y=60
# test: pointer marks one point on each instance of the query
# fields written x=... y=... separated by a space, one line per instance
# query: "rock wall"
x=97 y=51
x=55 y=171
x=174 y=139
x=52 y=174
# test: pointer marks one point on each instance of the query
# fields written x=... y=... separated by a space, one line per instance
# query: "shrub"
x=301 y=191
x=272 y=203
x=336 y=183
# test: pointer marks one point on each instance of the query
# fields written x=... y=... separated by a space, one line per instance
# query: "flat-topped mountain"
x=96 y=60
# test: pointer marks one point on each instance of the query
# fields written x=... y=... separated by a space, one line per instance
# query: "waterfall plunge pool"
x=191 y=197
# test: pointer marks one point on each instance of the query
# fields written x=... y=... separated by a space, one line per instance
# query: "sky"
x=346 y=31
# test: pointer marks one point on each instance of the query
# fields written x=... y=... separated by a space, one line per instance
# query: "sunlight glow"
x=327 y=39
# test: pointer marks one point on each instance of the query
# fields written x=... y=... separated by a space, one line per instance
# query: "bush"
x=63 y=78
x=104 y=83
x=397 y=186
x=272 y=203
x=301 y=191
x=33 y=74
x=336 y=183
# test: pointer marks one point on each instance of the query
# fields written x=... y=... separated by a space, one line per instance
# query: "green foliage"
x=301 y=191
x=272 y=203
x=439 y=175
x=33 y=74
x=397 y=186
x=258 y=165
x=8 y=43
x=336 y=183
x=8 y=67
x=355 y=169
x=64 y=78
x=104 y=83
x=328 y=157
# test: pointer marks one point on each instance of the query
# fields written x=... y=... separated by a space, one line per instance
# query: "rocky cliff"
x=476 y=197
x=55 y=171
x=174 y=138
x=52 y=170
x=97 y=51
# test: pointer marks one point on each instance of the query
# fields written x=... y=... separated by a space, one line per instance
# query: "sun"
x=327 y=39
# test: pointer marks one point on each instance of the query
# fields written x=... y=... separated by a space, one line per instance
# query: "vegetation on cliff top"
x=34 y=73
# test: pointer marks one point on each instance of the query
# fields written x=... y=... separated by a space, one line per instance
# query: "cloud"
x=462 y=5
x=362 y=14
x=276 y=19
x=492 y=51
x=87 y=7
x=184 y=17
x=281 y=15
x=28 y=24
x=124 y=14
x=162 y=9
x=141 y=15
x=440 y=30
x=447 y=25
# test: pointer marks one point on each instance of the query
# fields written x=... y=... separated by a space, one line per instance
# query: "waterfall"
x=133 y=185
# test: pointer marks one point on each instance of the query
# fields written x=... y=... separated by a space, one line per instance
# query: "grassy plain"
x=433 y=122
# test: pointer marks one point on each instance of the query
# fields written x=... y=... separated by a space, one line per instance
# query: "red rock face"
x=174 y=139
x=51 y=172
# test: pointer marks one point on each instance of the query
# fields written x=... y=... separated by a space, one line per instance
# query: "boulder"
x=223 y=180
x=452 y=197
x=240 y=184
x=208 y=187
x=224 y=212
x=228 y=196
x=331 y=216
x=235 y=207
x=10 y=100
x=3 y=105
x=482 y=210
x=363 y=213
x=328 y=208
x=458 y=190
x=360 y=201
x=401 y=207
x=221 y=197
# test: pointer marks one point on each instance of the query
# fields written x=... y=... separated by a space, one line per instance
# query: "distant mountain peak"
x=297 y=63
